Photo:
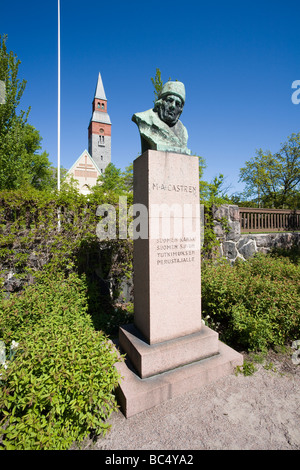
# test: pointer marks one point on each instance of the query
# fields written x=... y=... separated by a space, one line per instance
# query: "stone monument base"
x=152 y=374
x=168 y=349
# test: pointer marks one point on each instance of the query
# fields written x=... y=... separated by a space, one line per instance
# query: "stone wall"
x=234 y=244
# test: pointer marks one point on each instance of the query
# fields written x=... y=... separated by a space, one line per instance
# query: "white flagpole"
x=58 y=103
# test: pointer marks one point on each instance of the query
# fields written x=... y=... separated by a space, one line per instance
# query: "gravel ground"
x=256 y=412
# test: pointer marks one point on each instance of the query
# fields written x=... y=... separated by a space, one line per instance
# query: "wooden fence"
x=269 y=220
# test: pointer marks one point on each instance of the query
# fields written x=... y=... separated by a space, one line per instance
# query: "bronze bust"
x=160 y=127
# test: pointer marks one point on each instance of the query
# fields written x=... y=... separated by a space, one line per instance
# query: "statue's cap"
x=173 y=88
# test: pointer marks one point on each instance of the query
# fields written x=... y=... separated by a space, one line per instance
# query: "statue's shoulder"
x=180 y=128
x=148 y=117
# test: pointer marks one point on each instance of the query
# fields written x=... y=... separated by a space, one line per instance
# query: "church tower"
x=100 y=129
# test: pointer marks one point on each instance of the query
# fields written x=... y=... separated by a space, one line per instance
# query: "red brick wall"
x=101 y=102
x=96 y=126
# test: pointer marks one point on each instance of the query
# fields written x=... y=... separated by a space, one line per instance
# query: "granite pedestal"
x=168 y=348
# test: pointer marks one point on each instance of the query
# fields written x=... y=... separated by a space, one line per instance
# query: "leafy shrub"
x=59 y=387
x=254 y=304
x=31 y=238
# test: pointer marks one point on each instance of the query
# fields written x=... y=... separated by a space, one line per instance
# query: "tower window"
x=98 y=105
x=102 y=105
x=101 y=136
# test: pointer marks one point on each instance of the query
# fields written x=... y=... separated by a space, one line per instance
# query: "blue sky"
x=237 y=59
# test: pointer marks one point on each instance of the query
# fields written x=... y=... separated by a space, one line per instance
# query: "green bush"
x=31 y=239
x=59 y=387
x=254 y=304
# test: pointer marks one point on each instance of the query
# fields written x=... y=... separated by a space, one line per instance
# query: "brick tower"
x=100 y=129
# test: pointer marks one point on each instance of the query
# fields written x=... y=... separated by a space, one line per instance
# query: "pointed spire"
x=100 y=93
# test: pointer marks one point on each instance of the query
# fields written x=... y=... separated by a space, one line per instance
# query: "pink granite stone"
x=169 y=351
x=136 y=395
x=167 y=270
x=149 y=360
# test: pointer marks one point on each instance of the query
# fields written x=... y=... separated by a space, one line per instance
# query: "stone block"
x=234 y=213
x=262 y=240
x=167 y=270
x=157 y=358
x=219 y=230
x=242 y=241
x=248 y=249
x=234 y=230
x=230 y=250
x=220 y=212
x=136 y=395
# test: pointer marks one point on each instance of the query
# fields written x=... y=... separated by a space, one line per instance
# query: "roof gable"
x=84 y=153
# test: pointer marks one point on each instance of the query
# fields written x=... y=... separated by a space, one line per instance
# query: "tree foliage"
x=9 y=66
x=20 y=162
x=157 y=83
x=128 y=177
x=111 y=181
x=273 y=180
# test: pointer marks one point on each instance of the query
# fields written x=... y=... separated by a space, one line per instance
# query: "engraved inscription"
x=175 y=187
x=175 y=250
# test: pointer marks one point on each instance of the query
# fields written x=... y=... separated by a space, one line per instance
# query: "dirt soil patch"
x=260 y=411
